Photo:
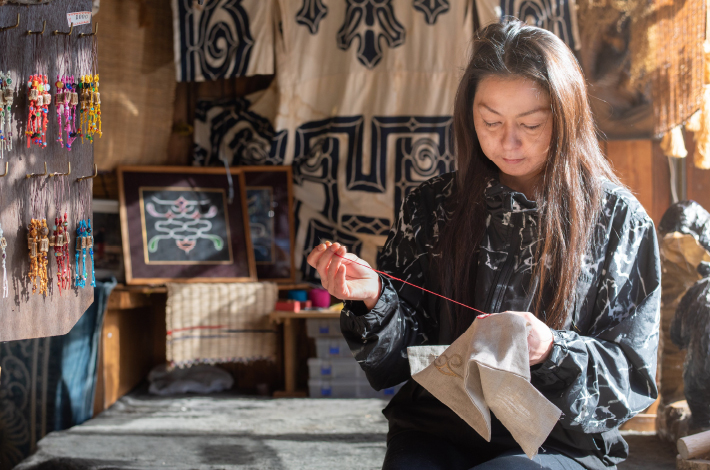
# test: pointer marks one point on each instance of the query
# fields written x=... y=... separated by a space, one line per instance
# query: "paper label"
x=79 y=18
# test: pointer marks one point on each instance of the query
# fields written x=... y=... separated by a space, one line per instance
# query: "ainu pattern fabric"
x=603 y=364
x=221 y=39
x=557 y=16
x=227 y=130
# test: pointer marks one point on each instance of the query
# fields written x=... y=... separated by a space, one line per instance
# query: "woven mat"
x=217 y=323
x=137 y=83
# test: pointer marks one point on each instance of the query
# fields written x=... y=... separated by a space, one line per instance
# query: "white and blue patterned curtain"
x=556 y=16
x=222 y=39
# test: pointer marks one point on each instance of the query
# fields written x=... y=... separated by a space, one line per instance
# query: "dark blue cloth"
x=74 y=398
x=48 y=384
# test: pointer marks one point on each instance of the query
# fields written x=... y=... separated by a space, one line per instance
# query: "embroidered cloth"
x=486 y=369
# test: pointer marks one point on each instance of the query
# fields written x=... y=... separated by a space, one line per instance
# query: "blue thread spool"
x=297 y=294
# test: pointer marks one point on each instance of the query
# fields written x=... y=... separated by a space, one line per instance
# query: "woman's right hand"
x=341 y=278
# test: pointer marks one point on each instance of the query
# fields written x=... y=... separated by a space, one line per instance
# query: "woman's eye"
x=531 y=127
x=490 y=124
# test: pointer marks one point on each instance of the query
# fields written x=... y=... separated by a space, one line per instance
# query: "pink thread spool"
x=320 y=298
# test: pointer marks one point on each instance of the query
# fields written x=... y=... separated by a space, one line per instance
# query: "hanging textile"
x=361 y=107
x=226 y=129
x=222 y=39
x=556 y=16
x=367 y=110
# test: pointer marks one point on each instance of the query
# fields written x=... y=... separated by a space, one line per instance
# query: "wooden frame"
x=254 y=175
x=237 y=226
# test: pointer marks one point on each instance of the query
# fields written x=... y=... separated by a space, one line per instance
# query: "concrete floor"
x=227 y=432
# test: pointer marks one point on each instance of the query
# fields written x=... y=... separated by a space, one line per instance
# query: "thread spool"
x=297 y=294
x=320 y=298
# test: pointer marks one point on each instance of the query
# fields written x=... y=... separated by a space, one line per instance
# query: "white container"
x=336 y=368
x=327 y=348
x=323 y=327
x=347 y=388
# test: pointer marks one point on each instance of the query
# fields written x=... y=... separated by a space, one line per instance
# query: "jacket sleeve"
x=379 y=338
x=603 y=378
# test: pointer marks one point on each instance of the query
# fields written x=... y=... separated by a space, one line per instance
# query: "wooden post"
x=696 y=445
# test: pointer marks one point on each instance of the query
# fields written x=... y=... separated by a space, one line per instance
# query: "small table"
x=289 y=350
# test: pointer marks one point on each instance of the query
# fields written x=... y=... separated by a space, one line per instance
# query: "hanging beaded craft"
x=6 y=100
x=39 y=101
x=60 y=236
x=90 y=247
x=3 y=248
x=80 y=277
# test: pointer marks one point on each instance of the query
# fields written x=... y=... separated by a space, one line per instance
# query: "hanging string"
x=409 y=283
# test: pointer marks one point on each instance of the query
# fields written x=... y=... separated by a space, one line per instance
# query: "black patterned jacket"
x=603 y=364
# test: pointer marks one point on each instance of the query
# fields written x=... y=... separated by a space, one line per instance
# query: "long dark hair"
x=569 y=192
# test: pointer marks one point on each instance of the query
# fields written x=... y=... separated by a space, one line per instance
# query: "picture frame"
x=271 y=221
x=108 y=247
x=178 y=225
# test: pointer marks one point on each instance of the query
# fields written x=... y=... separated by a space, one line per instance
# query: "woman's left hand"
x=539 y=338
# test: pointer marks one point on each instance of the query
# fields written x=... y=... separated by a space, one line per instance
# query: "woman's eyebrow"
x=526 y=113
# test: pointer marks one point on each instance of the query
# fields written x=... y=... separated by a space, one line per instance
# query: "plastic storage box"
x=323 y=327
x=327 y=348
x=347 y=388
x=336 y=368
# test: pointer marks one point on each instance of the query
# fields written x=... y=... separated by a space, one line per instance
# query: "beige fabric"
x=486 y=369
x=211 y=323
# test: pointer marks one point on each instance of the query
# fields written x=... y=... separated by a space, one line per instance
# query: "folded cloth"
x=200 y=378
x=487 y=369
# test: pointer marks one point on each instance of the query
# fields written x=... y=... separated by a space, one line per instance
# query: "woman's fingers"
x=322 y=266
x=315 y=254
x=340 y=283
x=335 y=263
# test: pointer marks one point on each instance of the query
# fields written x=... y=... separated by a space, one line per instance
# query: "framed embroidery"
x=178 y=225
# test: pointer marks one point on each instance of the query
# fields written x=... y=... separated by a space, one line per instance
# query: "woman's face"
x=513 y=121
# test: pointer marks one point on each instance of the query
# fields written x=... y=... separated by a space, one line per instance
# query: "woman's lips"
x=513 y=161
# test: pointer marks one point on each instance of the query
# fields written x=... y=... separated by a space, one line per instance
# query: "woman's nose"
x=510 y=138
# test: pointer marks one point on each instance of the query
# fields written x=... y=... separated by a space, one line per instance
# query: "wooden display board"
x=23 y=314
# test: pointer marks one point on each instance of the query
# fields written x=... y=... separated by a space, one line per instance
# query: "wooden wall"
x=645 y=170
x=698 y=181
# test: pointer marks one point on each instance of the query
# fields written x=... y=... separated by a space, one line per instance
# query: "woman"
x=531 y=185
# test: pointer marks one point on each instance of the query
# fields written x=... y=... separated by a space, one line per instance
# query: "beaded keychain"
x=3 y=247
x=71 y=103
x=39 y=101
x=38 y=240
x=90 y=121
x=84 y=240
x=6 y=100
x=60 y=237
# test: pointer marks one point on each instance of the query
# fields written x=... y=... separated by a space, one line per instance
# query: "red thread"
x=215 y=327
x=409 y=283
